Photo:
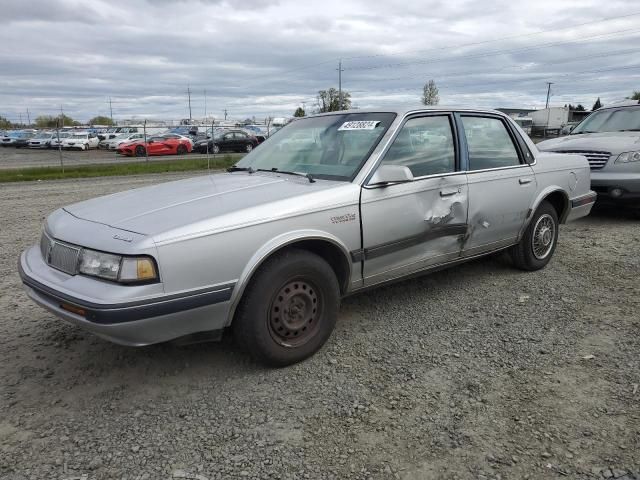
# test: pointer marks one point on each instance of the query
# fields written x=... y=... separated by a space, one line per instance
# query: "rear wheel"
x=140 y=151
x=248 y=148
x=181 y=150
x=216 y=148
x=289 y=309
x=539 y=240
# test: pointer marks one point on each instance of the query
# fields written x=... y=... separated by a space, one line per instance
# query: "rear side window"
x=425 y=145
x=489 y=143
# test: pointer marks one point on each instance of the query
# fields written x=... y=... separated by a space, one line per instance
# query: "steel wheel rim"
x=544 y=235
x=249 y=148
x=294 y=313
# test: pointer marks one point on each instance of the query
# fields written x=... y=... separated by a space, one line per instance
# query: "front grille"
x=597 y=160
x=59 y=255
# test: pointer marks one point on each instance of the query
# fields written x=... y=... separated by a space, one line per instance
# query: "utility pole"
x=61 y=116
x=205 y=103
x=225 y=114
x=189 y=96
x=340 y=70
x=110 y=110
x=548 y=93
x=20 y=119
x=28 y=117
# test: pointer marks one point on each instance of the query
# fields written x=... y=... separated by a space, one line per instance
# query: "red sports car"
x=168 y=144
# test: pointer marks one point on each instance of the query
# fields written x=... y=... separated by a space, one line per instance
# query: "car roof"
x=402 y=111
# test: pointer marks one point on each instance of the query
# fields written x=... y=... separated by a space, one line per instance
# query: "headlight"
x=627 y=157
x=117 y=268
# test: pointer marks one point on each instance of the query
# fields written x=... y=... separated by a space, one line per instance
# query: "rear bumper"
x=581 y=206
x=132 y=323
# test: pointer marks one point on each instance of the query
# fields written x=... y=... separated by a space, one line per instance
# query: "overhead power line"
x=499 y=39
x=493 y=52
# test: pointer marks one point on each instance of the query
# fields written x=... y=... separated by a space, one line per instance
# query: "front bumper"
x=617 y=188
x=132 y=322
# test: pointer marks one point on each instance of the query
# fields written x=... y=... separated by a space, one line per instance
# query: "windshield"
x=610 y=120
x=332 y=147
x=79 y=135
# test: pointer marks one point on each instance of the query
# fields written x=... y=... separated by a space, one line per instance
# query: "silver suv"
x=610 y=139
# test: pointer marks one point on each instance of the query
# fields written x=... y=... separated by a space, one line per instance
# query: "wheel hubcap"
x=543 y=236
x=294 y=313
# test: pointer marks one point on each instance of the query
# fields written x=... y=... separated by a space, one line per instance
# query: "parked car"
x=80 y=141
x=42 y=140
x=271 y=246
x=228 y=140
x=168 y=144
x=59 y=138
x=16 y=138
x=610 y=139
x=22 y=140
x=114 y=143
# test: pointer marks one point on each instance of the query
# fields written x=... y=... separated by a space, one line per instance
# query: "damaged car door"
x=502 y=183
x=414 y=205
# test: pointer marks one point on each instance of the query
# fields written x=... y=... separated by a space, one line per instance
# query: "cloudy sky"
x=266 y=57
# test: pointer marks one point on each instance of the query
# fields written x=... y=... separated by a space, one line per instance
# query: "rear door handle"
x=525 y=181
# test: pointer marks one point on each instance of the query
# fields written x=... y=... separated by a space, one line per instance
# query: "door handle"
x=448 y=193
x=524 y=181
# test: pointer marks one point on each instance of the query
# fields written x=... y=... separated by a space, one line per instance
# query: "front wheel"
x=289 y=309
x=248 y=148
x=181 y=150
x=216 y=148
x=140 y=151
x=539 y=240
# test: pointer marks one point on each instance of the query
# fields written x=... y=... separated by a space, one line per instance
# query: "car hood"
x=209 y=202
x=614 y=142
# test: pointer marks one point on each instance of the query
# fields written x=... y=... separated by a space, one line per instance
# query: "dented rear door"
x=411 y=226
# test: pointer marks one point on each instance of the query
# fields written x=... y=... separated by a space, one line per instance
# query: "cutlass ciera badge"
x=348 y=217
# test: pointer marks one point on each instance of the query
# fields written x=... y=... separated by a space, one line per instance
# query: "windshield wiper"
x=308 y=176
x=234 y=168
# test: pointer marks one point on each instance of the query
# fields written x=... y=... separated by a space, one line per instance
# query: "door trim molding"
x=406 y=242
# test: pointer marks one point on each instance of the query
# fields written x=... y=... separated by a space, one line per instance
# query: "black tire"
x=289 y=308
x=248 y=147
x=216 y=148
x=539 y=240
x=140 y=151
x=181 y=150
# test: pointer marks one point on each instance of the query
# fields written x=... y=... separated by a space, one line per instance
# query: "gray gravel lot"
x=476 y=372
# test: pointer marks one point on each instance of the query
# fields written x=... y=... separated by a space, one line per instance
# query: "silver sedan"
x=328 y=206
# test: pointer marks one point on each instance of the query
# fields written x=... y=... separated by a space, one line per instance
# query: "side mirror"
x=386 y=174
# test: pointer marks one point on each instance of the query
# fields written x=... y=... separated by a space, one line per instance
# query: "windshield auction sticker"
x=360 y=125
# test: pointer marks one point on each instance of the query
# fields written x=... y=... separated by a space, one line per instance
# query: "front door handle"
x=525 y=181
x=449 y=193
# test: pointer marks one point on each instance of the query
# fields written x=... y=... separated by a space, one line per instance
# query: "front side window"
x=330 y=146
x=424 y=145
x=489 y=143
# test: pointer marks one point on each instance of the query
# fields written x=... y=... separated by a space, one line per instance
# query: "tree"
x=635 y=95
x=430 y=93
x=5 y=123
x=299 y=112
x=597 y=105
x=580 y=108
x=49 y=121
x=101 y=120
x=329 y=100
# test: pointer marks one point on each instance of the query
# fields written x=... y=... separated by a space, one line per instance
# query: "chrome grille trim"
x=59 y=255
x=597 y=160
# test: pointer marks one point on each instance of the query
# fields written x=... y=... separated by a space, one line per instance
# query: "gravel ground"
x=476 y=372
